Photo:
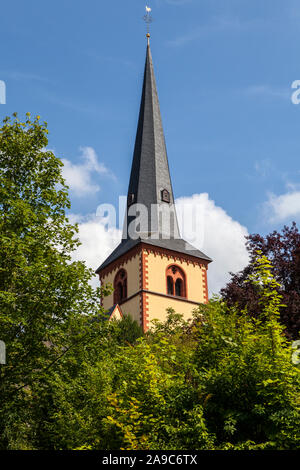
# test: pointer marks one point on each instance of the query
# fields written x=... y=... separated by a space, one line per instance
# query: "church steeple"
x=150 y=182
x=150 y=186
x=153 y=268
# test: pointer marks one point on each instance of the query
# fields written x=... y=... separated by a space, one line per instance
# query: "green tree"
x=70 y=402
x=224 y=380
x=245 y=370
x=283 y=250
x=43 y=294
x=126 y=331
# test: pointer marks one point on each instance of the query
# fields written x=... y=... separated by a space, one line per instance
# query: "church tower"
x=152 y=268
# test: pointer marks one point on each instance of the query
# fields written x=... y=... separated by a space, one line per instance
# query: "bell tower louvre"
x=153 y=268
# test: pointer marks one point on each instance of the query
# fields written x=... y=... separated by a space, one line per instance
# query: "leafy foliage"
x=253 y=388
x=43 y=294
x=283 y=250
x=224 y=380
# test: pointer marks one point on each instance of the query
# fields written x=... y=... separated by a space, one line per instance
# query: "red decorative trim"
x=173 y=297
x=183 y=277
x=120 y=278
x=156 y=250
x=119 y=262
x=141 y=287
x=117 y=307
x=205 y=286
x=143 y=249
x=159 y=294
x=144 y=304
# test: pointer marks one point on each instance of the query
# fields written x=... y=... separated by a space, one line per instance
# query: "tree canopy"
x=283 y=250
x=43 y=294
x=222 y=380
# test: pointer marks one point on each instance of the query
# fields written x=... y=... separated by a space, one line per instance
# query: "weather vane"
x=148 y=20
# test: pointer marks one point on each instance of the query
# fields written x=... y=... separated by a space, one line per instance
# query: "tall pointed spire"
x=150 y=214
x=150 y=182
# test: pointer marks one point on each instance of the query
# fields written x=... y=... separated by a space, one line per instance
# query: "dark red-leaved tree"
x=283 y=250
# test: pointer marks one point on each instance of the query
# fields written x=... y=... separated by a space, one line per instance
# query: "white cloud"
x=178 y=2
x=22 y=76
x=217 y=235
x=263 y=167
x=284 y=206
x=216 y=25
x=268 y=91
x=97 y=243
x=79 y=177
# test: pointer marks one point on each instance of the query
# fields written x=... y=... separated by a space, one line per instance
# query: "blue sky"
x=224 y=71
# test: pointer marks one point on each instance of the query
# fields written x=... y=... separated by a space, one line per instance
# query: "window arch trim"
x=179 y=274
x=120 y=286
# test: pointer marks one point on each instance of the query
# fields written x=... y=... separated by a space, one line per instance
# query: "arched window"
x=176 y=281
x=178 y=287
x=120 y=287
x=170 y=284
